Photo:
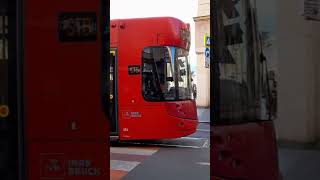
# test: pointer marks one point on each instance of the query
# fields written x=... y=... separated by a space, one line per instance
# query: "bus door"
x=113 y=94
x=9 y=155
x=67 y=132
x=243 y=135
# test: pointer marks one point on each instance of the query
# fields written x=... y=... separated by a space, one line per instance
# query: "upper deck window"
x=165 y=74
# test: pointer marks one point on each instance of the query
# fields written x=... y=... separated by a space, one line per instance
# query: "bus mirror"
x=169 y=79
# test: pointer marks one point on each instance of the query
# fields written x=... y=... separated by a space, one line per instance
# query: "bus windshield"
x=166 y=74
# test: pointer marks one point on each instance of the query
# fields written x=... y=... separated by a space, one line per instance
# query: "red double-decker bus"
x=52 y=116
x=150 y=79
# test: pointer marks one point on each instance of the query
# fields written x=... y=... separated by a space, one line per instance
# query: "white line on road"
x=123 y=165
x=206 y=144
x=193 y=138
x=132 y=151
x=203 y=130
x=204 y=163
x=166 y=145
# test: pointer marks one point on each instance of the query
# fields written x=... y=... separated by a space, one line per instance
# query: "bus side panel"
x=135 y=126
x=246 y=151
x=114 y=33
x=63 y=87
x=68 y=160
x=131 y=40
x=153 y=122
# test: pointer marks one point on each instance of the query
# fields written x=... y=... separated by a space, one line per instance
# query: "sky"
x=184 y=10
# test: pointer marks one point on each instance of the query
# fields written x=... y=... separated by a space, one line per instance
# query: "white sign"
x=208 y=41
x=312 y=10
x=207 y=57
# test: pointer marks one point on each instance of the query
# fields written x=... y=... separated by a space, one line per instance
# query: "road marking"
x=204 y=130
x=204 y=163
x=193 y=138
x=125 y=159
x=165 y=145
x=169 y=143
x=206 y=144
x=119 y=165
x=117 y=175
x=133 y=151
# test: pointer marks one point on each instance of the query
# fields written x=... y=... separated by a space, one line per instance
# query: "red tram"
x=150 y=79
x=52 y=120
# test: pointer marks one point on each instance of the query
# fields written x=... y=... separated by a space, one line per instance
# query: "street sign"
x=207 y=41
x=207 y=57
x=207 y=50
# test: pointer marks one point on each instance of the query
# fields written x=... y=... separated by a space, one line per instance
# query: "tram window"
x=170 y=84
x=183 y=76
x=153 y=73
x=165 y=74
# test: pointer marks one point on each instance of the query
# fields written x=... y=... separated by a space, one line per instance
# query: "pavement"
x=186 y=158
x=125 y=159
x=174 y=164
x=297 y=163
x=203 y=115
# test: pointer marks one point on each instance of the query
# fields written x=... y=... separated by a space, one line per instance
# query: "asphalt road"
x=185 y=158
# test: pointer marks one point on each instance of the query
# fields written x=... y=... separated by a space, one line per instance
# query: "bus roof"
x=152 y=31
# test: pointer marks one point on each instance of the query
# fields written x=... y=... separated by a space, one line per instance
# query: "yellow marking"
x=4 y=111
x=113 y=53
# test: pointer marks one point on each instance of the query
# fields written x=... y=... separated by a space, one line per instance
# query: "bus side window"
x=153 y=76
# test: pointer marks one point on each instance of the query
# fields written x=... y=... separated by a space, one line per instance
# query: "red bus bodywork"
x=156 y=120
x=65 y=124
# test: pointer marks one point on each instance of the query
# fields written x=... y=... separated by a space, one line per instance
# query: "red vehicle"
x=243 y=135
x=151 y=81
x=52 y=118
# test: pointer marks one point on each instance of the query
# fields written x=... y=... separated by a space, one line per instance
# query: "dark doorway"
x=9 y=79
x=113 y=93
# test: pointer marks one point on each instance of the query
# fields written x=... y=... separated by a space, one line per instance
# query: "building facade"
x=293 y=51
x=298 y=53
x=202 y=27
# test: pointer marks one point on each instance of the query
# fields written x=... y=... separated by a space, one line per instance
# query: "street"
x=183 y=158
x=299 y=162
